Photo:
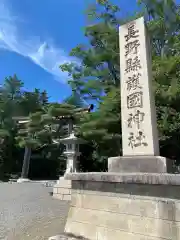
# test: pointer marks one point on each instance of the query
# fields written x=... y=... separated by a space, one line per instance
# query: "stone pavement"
x=28 y=212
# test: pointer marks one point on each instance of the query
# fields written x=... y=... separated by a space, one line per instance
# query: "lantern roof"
x=72 y=138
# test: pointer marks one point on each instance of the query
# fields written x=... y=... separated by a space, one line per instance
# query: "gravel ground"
x=28 y=212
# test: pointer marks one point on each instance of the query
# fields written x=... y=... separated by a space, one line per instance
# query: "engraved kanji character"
x=137 y=141
x=133 y=82
x=137 y=118
x=132 y=33
x=140 y=140
x=132 y=64
x=135 y=100
x=132 y=47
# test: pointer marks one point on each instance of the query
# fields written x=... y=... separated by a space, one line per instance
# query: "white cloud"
x=44 y=54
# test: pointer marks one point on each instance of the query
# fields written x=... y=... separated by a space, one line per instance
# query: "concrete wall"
x=124 y=211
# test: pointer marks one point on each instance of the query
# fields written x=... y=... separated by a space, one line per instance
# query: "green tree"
x=99 y=68
x=15 y=103
x=10 y=94
x=43 y=129
x=31 y=136
x=98 y=77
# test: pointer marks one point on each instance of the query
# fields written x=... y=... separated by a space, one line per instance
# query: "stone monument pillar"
x=139 y=129
x=137 y=198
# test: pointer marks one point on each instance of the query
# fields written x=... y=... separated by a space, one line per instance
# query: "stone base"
x=23 y=180
x=151 y=164
x=127 y=206
x=62 y=190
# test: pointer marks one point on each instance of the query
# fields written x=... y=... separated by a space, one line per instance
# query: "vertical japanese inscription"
x=133 y=87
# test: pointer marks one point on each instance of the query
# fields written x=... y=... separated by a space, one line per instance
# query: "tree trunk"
x=26 y=162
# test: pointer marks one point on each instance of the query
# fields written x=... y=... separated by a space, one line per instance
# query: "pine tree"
x=97 y=77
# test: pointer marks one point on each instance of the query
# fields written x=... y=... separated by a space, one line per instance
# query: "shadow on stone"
x=67 y=236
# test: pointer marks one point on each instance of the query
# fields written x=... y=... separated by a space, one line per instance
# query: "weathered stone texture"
x=132 y=177
x=108 y=210
x=62 y=190
x=151 y=164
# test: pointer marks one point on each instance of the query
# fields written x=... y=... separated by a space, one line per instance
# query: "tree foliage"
x=95 y=78
x=98 y=76
x=26 y=123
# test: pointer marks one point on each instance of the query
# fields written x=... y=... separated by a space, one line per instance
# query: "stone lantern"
x=62 y=189
x=71 y=151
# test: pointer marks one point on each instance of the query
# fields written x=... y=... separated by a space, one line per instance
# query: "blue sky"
x=36 y=37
